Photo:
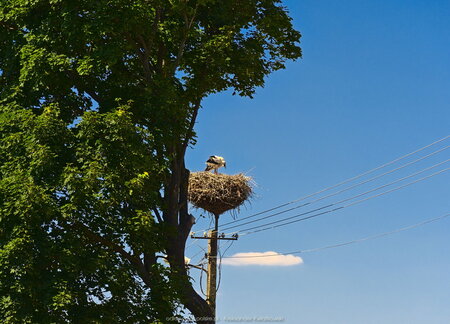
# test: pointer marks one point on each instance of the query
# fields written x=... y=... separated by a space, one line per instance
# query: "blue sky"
x=373 y=85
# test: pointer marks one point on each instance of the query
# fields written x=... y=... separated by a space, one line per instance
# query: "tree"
x=98 y=105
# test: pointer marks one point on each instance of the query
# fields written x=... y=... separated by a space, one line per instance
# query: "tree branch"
x=149 y=261
x=196 y=267
x=158 y=215
x=142 y=52
x=8 y=26
x=187 y=27
x=94 y=237
x=81 y=88
x=161 y=50
x=190 y=129
x=100 y=239
x=92 y=94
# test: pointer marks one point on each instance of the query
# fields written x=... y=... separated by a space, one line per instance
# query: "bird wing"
x=212 y=160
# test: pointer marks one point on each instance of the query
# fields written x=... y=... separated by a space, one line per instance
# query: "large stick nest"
x=218 y=193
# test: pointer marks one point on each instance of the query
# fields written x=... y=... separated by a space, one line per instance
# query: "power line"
x=221 y=254
x=372 y=237
x=201 y=278
x=195 y=240
x=340 y=183
x=332 y=210
x=350 y=198
x=334 y=193
x=198 y=253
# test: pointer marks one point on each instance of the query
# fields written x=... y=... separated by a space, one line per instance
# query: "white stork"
x=215 y=162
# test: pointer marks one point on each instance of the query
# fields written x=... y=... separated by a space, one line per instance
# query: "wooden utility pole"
x=211 y=285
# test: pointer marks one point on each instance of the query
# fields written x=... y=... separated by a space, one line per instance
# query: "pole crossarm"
x=221 y=236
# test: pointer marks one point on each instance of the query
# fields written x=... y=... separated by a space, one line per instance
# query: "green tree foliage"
x=98 y=101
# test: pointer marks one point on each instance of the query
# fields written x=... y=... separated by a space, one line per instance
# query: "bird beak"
x=225 y=165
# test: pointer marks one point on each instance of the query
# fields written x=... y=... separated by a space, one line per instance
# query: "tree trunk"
x=177 y=215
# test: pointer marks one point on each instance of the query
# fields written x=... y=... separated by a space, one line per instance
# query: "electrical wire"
x=334 y=193
x=196 y=254
x=191 y=243
x=220 y=263
x=340 y=183
x=350 y=198
x=332 y=210
x=195 y=240
x=201 y=279
x=372 y=237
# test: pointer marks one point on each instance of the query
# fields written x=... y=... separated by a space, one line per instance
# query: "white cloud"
x=268 y=258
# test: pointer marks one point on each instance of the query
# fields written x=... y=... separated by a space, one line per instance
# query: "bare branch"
x=116 y=248
x=158 y=215
x=197 y=267
x=190 y=129
x=93 y=95
x=187 y=27
x=111 y=245
x=142 y=51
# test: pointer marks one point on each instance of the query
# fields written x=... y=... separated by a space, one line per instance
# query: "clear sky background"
x=373 y=84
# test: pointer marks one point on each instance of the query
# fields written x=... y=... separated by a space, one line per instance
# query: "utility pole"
x=213 y=237
x=211 y=288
